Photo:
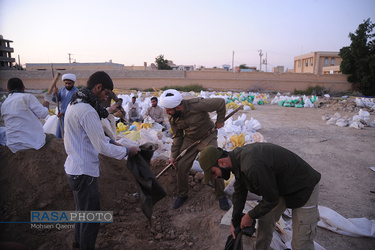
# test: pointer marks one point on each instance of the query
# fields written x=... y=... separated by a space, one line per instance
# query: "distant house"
x=319 y=62
x=6 y=60
x=226 y=67
x=183 y=67
x=278 y=69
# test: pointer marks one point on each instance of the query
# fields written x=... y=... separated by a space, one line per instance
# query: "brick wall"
x=217 y=80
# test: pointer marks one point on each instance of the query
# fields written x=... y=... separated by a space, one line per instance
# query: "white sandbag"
x=363 y=113
x=246 y=107
x=343 y=122
x=108 y=129
x=308 y=103
x=50 y=126
x=252 y=124
x=126 y=142
x=326 y=117
x=196 y=166
x=335 y=222
x=333 y=119
x=359 y=102
x=356 y=124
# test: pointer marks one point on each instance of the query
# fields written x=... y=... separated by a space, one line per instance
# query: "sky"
x=205 y=33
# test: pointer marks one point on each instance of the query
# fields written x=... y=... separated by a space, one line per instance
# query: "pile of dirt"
x=340 y=104
x=34 y=180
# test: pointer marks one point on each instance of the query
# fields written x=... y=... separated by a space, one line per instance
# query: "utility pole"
x=70 y=60
x=265 y=62
x=233 y=61
x=260 y=60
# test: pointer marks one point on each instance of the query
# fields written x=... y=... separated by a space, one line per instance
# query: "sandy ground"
x=35 y=180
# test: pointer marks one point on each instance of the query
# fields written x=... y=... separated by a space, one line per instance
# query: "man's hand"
x=60 y=114
x=173 y=161
x=134 y=150
x=219 y=125
x=45 y=104
x=246 y=221
x=55 y=90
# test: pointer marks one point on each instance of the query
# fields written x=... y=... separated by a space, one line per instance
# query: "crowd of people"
x=279 y=176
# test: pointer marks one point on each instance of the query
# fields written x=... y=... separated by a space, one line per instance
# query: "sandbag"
x=149 y=189
x=50 y=126
x=236 y=244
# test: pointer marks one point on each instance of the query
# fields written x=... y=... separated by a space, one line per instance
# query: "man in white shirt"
x=21 y=113
x=84 y=139
x=133 y=110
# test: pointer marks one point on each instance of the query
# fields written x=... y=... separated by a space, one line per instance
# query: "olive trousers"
x=186 y=162
x=304 y=220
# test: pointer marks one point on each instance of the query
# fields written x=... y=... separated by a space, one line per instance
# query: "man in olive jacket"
x=281 y=177
x=190 y=121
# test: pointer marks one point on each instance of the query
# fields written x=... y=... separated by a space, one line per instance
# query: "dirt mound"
x=35 y=180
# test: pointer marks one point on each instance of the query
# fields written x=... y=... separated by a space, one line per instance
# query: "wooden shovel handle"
x=54 y=81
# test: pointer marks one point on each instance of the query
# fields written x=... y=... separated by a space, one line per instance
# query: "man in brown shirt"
x=155 y=111
x=190 y=121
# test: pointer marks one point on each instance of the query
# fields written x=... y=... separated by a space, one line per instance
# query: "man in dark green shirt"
x=281 y=177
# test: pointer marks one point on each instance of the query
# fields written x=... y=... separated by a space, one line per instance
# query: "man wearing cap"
x=281 y=177
x=83 y=140
x=64 y=96
x=190 y=121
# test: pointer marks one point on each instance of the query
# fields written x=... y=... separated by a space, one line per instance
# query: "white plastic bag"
x=50 y=126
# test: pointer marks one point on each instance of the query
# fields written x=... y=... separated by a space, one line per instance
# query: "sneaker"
x=224 y=205
x=179 y=202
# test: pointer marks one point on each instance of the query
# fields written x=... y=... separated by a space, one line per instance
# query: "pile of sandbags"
x=358 y=121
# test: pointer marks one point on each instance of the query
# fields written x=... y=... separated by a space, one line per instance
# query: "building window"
x=326 y=61
x=306 y=63
x=332 y=61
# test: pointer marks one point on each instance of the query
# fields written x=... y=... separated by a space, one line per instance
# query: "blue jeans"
x=86 y=198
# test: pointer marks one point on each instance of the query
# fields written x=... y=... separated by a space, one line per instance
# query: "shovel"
x=48 y=97
x=197 y=142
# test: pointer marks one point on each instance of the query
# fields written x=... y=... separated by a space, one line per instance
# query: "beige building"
x=6 y=60
x=319 y=62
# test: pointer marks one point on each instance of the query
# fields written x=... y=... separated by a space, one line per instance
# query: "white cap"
x=170 y=99
x=71 y=77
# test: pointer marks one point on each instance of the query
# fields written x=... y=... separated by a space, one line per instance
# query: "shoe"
x=179 y=202
x=224 y=205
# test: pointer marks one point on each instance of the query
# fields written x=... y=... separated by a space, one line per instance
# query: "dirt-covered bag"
x=149 y=189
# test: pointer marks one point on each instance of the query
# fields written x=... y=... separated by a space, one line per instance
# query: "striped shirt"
x=84 y=139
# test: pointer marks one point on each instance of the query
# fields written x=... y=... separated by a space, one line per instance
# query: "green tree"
x=358 y=59
x=243 y=66
x=162 y=63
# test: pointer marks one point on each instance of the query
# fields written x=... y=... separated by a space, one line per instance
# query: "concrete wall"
x=216 y=80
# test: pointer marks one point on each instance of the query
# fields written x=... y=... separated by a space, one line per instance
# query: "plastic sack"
x=343 y=122
x=50 y=126
x=333 y=119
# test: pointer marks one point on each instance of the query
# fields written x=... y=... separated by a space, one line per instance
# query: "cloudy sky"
x=195 y=32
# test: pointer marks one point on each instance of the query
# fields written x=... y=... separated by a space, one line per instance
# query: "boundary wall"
x=212 y=80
